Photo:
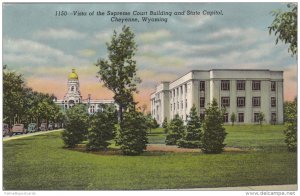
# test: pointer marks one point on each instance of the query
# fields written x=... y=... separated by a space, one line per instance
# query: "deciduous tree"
x=118 y=73
x=290 y=118
x=284 y=27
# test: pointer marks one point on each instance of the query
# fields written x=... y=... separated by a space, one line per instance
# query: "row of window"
x=255 y=117
x=240 y=117
x=240 y=101
x=180 y=89
x=240 y=85
x=225 y=86
x=173 y=106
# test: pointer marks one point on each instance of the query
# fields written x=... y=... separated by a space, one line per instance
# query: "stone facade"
x=243 y=92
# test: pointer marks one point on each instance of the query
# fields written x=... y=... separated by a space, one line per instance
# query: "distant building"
x=73 y=96
x=243 y=92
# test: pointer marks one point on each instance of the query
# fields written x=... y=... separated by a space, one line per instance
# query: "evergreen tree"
x=175 y=131
x=76 y=125
x=133 y=133
x=102 y=129
x=193 y=135
x=214 y=132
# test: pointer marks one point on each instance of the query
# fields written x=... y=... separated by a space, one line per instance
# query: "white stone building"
x=73 y=96
x=245 y=92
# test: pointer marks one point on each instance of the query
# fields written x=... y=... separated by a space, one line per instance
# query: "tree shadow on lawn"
x=154 y=150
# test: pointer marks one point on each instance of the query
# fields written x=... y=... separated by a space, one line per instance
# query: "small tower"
x=73 y=95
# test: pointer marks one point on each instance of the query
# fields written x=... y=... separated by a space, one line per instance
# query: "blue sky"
x=45 y=47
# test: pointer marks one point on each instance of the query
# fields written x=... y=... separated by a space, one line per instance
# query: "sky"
x=45 y=47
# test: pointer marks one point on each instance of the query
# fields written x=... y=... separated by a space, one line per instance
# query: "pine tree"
x=176 y=131
x=76 y=126
x=193 y=135
x=133 y=133
x=214 y=132
x=102 y=129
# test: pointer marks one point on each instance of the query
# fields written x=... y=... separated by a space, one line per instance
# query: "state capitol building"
x=73 y=96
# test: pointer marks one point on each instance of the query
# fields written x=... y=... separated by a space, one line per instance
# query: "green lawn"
x=40 y=163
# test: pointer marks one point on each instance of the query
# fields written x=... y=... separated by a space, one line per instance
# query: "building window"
x=177 y=105
x=255 y=101
x=186 y=103
x=256 y=117
x=202 y=102
x=225 y=85
x=240 y=101
x=273 y=101
x=185 y=87
x=72 y=88
x=240 y=85
x=174 y=106
x=171 y=107
x=225 y=101
x=226 y=117
x=202 y=85
x=255 y=85
x=202 y=116
x=177 y=92
x=273 y=118
x=241 y=117
x=273 y=86
x=181 y=91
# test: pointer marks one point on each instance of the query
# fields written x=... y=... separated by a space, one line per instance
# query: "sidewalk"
x=288 y=187
x=7 y=138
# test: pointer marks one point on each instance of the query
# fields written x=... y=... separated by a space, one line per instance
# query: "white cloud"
x=87 y=52
x=193 y=21
x=154 y=36
x=64 y=33
x=27 y=52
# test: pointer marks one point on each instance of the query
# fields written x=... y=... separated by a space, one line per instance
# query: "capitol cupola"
x=73 y=75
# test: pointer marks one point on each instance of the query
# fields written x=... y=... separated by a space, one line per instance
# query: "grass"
x=40 y=163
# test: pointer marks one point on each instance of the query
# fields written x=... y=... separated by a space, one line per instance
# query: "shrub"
x=165 y=123
x=175 y=131
x=133 y=133
x=193 y=134
x=154 y=123
x=102 y=129
x=214 y=132
x=290 y=117
x=232 y=118
x=76 y=126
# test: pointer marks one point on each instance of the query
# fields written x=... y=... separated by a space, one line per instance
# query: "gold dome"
x=73 y=75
